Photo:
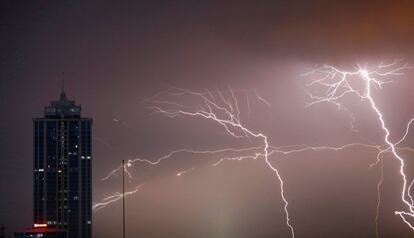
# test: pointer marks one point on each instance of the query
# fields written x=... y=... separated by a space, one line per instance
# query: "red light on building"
x=40 y=225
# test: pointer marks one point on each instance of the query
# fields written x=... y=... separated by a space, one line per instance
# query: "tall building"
x=62 y=194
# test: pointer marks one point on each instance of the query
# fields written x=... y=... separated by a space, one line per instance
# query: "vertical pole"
x=123 y=198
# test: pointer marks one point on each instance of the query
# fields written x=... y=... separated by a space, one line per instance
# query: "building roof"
x=62 y=108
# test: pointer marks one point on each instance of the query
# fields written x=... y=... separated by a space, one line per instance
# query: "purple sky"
x=114 y=55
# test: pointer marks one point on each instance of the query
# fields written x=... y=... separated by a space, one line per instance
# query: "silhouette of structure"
x=62 y=194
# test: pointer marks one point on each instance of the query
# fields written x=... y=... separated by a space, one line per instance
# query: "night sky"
x=115 y=55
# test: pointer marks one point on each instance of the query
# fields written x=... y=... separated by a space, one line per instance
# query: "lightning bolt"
x=379 y=199
x=114 y=198
x=223 y=108
x=332 y=84
x=131 y=162
x=282 y=150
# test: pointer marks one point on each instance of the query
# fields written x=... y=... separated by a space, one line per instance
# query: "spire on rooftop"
x=62 y=93
x=62 y=108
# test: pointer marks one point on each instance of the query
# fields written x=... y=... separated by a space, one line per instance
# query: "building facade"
x=62 y=194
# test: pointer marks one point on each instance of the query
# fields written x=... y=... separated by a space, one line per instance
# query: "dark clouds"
x=324 y=29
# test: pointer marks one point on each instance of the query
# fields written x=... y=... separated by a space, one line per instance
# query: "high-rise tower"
x=62 y=194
